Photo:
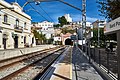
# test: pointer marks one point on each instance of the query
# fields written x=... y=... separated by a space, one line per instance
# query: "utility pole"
x=84 y=22
x=98 y=34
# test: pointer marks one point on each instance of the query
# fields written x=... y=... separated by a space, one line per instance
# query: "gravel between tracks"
x=32 y=71
x=11 y=69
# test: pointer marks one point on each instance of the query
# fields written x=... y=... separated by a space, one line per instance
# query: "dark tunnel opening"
x=68 y=42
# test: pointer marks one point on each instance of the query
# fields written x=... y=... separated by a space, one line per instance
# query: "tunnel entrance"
x=68 y=42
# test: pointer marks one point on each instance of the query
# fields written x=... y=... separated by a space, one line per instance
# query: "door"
x=16 y=42
x=4 y=43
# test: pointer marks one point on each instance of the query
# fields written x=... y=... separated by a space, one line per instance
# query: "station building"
x=15 y=27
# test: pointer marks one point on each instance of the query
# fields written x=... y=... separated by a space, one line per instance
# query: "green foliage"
x=102 y=37
x=39 y=37
x=66 y=30
x=62 y=21
x=95 y=37
x=110 y=9
x=57 y=25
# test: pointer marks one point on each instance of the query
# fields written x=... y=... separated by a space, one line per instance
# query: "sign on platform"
x=112 y=26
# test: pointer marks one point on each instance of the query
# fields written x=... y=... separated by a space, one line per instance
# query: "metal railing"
x=17 y=27
x=105 y=59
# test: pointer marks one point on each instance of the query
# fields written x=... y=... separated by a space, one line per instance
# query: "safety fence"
x=104 y=58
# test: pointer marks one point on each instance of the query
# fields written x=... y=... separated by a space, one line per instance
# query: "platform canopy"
x=112 y=27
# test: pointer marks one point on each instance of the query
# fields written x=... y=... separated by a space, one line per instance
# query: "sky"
x=57 y=9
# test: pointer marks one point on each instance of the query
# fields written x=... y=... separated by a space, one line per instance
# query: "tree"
x=56 y=25
x=95 y=37
x=39 y=37
x=66 y=30
x=110 y=9
x=62 y=21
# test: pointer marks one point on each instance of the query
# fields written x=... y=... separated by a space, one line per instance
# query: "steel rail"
x=12 y=58
x=46 y=68
x=24 y=68
x=21 y=60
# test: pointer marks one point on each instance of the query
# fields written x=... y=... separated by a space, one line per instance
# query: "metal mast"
x=83 y=21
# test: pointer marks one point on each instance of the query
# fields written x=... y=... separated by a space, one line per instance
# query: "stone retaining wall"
x=4 y=54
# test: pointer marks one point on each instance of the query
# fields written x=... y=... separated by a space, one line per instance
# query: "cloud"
x=91 y=19
x=78 y=17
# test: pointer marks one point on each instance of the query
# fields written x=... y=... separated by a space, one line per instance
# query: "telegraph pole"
x=84 y=22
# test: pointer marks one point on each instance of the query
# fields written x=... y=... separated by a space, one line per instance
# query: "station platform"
x=9 y=53
x=74 y=66
x=63 y=69
x=81 y=68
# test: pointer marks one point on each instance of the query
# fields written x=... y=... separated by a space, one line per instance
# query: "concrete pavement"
x=63 y=68
x=8 y=53
x=82 y=70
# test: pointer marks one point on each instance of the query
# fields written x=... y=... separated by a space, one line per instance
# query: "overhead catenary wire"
x=37 y=11
x=46 y=13
x=28 y=2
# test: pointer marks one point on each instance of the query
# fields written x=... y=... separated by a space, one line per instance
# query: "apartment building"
x=45 y=28
x=99 y=23
x=15 y=27
x=68 y=18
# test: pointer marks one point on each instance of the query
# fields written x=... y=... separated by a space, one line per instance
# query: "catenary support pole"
x=84 y=22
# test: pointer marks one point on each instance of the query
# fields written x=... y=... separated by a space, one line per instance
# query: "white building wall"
x=57 y=39
x=102 y=24
x=47 y=28
x=68 y=18
x=1 y=46
x=9 y=27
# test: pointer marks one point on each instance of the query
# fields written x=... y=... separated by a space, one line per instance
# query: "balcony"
x=18 y=28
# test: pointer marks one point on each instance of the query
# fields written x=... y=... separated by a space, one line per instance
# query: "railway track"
x=27 y=67
x=10 y=61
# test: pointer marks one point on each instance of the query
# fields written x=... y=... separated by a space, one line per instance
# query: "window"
x=17 y=23
x=24 y=39
x=48 y=24
x=101 y=24
x=5 y=18
x=25 y=25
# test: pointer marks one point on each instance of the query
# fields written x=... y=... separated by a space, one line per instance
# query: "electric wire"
x=37 y=11
x=46 y=13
